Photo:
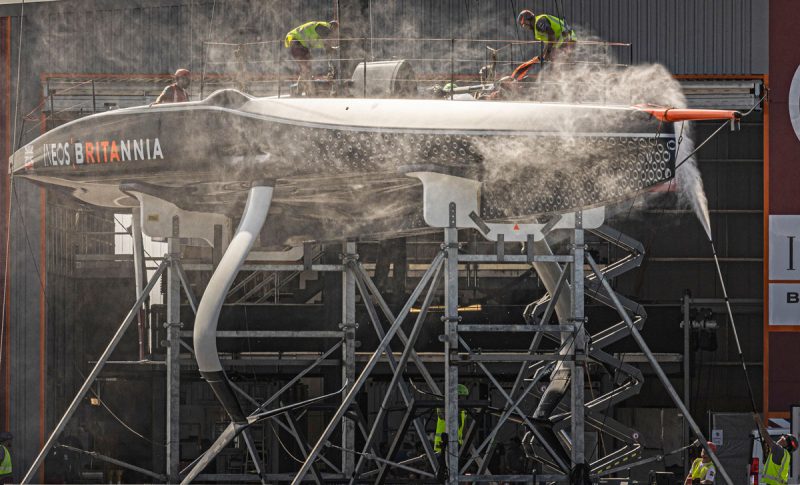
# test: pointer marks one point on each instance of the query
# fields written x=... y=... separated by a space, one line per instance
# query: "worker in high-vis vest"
x=553 y=31
x=5 y=458
x=303 y=38
x=775 y=470
x=703 y=470
x=441 y=425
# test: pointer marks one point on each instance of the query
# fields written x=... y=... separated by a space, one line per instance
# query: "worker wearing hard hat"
x=551 y=30
x=176 y=92
x=703 y=470
x=6 y=475
x=779 y=456
x=441 y=425
x=311 y=35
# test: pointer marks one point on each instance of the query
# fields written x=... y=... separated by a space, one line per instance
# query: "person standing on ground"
x=703 y=470
x=778 y=455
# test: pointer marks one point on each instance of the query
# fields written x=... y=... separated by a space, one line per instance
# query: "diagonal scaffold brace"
x=370 y=365
x=658 y=370
x=101 y=361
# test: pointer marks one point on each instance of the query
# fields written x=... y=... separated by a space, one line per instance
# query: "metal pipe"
x=187 y=288
x=450 y=320
x=274 y=334
x=139 y=272
x=62 y=423
x=362 y=378
x=659 y=371
x=687 y=324
x=173 y=374
x=514 y=258
x=348 y=327
x=578 y=350
x=114 y=461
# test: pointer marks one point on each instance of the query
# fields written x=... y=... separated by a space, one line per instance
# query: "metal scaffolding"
x=556 y=429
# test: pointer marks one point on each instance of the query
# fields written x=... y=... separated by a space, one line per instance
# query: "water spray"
x=699 y=203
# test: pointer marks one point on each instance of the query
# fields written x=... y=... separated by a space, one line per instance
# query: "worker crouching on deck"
x=176 y=92
x=779 y=456
x=302 y=39
x=703 y=470
x=553 y=31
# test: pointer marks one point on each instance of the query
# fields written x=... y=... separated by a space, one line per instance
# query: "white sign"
x=716 y=437
x=784 y=247
x=794 y=102
x=784 y=303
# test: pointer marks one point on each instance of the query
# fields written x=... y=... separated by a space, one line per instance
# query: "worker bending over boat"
x=551 y=30
x=176 y=92
x=310 y=35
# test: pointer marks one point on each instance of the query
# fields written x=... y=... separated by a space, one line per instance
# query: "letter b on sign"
x=784 y=304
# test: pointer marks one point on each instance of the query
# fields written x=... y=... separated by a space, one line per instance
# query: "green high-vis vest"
x=700 y=469
x=5 y=466
x=562 y=33
x=441 y=427
x=775 y=474
x=307 y=35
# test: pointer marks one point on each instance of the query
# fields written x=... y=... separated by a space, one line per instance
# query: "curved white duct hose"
x=205 y=323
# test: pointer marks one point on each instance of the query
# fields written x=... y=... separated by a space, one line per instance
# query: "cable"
x=11 y=184
x=747 y=113
x=119 y=420
x=286 y=450
x=19 y=66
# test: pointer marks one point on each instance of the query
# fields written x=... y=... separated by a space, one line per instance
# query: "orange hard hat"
x=182 y=73
x=712 y=446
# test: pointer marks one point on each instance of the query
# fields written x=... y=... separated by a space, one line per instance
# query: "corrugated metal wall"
x=689 y=37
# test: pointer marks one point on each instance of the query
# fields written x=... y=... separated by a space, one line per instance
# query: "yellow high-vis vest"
x=5 y=466
x=559 y=29
x=307 y=35
x=441 y=426
x=775 y=474
x=699 y=469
